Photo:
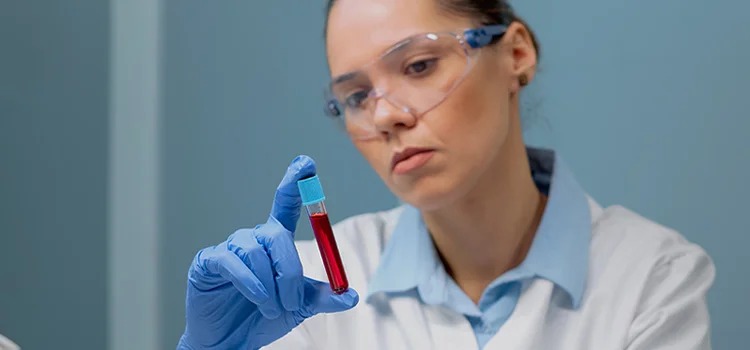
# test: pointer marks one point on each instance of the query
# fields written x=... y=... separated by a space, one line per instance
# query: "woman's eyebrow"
x=344 y=77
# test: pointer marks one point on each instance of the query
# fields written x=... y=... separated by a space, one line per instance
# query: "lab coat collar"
x=559 y=252
x=409 y=258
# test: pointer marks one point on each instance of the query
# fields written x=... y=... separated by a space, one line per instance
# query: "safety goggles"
x=414 y=75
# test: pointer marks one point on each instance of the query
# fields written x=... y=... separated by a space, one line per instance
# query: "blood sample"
x=313 y=199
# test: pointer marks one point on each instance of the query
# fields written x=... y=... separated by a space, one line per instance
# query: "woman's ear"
x=523 y=55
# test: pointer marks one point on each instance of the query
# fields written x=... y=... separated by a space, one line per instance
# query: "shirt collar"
x=559 y=252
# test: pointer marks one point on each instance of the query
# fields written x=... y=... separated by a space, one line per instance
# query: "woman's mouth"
x=410 y=159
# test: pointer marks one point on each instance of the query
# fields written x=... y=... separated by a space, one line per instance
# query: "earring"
x=523 y=79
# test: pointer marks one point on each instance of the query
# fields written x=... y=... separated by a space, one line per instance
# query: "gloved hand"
x=249 y=290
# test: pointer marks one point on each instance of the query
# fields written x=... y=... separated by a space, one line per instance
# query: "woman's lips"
x=410 y=159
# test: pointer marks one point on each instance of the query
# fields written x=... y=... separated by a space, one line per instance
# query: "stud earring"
x=523 y=79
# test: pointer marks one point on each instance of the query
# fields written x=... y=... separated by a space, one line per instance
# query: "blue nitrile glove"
x=249 y=291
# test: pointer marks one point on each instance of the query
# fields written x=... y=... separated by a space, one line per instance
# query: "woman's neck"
x=490 y=230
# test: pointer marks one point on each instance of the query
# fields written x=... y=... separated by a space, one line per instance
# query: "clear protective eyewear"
x=414 y=75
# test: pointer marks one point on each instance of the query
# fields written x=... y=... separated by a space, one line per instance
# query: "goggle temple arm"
x=480 y=37
x=333 y=107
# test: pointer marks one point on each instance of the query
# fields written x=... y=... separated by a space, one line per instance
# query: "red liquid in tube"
x=311 y=193
x=329 y=252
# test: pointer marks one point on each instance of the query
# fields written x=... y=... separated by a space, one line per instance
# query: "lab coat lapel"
x=528 y=320
x=448 y=329
x=410 y=320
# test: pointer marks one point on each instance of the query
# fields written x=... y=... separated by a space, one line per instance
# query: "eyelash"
x=429 y=62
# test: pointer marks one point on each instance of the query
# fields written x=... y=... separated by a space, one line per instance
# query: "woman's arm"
x=672 y=312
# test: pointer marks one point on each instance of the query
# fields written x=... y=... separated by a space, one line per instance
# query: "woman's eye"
x=356 y=99
x=421 y=66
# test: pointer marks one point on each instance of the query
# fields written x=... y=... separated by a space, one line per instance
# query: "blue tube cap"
x=310 y=190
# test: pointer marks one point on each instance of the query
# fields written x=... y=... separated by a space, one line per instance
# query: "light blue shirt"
x=559 y=253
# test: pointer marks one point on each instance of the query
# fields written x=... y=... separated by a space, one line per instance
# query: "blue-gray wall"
x=648 y=102
x=54 y=58
x=644 y=99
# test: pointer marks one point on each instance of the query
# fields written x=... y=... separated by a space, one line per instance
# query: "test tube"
x=313 y=199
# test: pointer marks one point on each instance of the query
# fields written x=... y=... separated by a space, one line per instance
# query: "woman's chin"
x=430 y=195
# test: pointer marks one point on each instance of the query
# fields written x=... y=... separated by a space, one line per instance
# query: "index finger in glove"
x=287 y=201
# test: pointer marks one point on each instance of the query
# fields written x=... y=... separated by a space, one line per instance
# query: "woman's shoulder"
x=636 y=250
x=620 y=229
x=650 y=273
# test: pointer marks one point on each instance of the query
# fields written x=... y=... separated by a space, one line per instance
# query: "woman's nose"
x=388 y=117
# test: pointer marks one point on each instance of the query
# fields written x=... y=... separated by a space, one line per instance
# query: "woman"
x=498 y=246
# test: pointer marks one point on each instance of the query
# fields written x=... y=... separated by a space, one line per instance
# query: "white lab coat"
x=6 y=344
x=645 y=290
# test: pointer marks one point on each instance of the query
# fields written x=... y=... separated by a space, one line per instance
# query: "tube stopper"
x=310 y=190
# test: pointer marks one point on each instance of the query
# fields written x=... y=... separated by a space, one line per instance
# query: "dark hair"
x=484 y=12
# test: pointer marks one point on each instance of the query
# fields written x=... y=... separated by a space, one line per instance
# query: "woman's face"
x=464 y=134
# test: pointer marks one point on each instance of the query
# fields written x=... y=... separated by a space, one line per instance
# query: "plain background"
x=646 y=101
x=54 y=62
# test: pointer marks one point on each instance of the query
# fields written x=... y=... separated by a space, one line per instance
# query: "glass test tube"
x=314 y=201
